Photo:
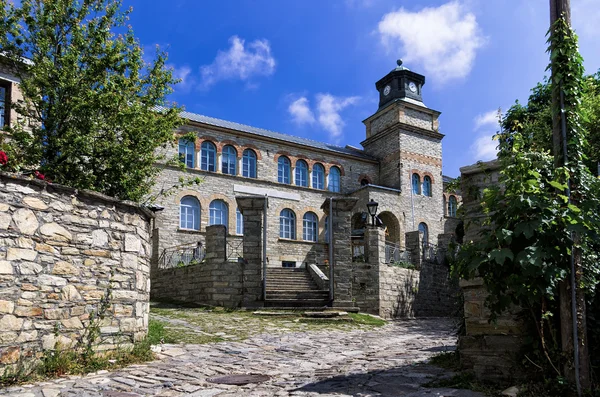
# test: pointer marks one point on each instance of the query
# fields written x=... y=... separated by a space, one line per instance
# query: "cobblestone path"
x=385 y=361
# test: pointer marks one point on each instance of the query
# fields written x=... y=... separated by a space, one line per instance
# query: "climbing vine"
x=527 y=236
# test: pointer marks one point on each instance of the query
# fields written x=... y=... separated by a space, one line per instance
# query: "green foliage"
x=89 y=116
x=404 y=265
x=528 y=235
x=447 y=360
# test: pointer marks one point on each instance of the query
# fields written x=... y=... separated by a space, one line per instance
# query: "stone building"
x=399 y=167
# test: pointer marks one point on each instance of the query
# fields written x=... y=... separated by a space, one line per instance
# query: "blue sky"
x=309 y=67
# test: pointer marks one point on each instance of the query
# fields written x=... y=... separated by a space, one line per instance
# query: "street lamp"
x=372 y=208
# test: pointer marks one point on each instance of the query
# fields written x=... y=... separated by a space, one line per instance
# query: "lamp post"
x=372 y=208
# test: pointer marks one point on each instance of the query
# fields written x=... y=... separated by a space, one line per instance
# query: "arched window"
x=239 y=222
x=327 y=229
x=310 y=224
x=318 y=177
x=249 y=164
x=283 y=170
x=189 y=213
x=218 y=213
x=287 y=224
x=425 y=231
x=301 y=173
x=445 y=207
x=452 y=206
x=186 y=152
x=229 y=160
x=208 y=156
x=334 y=179
x=364 y=182
x=416 y=184
x=427 y=186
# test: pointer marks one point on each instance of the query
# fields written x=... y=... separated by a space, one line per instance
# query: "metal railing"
x=394 y=254
x=181 y=255
x=358 y=250
x=235 y=250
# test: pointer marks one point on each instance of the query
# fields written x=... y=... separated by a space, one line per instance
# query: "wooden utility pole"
x=571 y=300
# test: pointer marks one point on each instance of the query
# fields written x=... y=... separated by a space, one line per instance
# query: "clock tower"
x=400 y=84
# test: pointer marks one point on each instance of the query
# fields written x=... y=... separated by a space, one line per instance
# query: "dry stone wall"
x=61 y=251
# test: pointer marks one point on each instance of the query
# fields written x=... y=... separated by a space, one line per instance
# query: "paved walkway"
x=384 y=361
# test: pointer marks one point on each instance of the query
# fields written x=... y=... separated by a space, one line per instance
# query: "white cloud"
x=300 y=111
x=240 y=62
x=329 y=108
x=444 y=40
x=490 y=118
x=183 y=73
x=484 y=148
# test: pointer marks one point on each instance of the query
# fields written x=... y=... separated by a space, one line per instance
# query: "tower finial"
x=399 y=62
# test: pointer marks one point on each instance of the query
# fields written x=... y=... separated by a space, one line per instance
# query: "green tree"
x=96 y=111
x=534 y=119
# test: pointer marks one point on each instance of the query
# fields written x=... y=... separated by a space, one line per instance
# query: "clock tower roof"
x=400 y=84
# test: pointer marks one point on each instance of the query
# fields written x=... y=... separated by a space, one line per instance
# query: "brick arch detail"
x=203 y=138
x=186 y=192
x=253 y=148
x=430 y=175
x=365 y=176
x=283 y=153
x=236 y=146
x=340 y=166
x=320 y=221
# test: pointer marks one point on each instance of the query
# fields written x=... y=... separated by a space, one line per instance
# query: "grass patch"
x=446 y=360
x=365 y=319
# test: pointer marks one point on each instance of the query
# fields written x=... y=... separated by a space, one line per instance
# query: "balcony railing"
x=394 y=254
x=358 y=250
x=181 y=255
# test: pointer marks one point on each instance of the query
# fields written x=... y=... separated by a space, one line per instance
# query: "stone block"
x=28 y=311
x=5 y=219
x=26 y=268
x=7 y=306
x=65 y=269
x=46 y=279
x=132 y=243
x=54 y=231
x=99 y=238
x=29 y=336
x=10 y=355
x=35 y=203
x=95 y=252
x=72 y=323
x=10 y=323
x=25 y=221
x=20 y=254
x=6 y=267
x=56 y=314
x=70 y=293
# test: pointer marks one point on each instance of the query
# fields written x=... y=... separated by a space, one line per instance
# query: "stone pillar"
x=216 y=243
x=414 y=245
x=155 y=251
x=375 y=240
x=341 y=227
x=444 y=241
x=252 y=208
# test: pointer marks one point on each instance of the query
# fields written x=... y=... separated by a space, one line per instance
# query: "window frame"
x=239 y=222
x=287 y=224
x=207 y=148
x=318 y=176
x=425 y=232
x=187 y=146
x=284 y=170
x=249 y=163
x=7 y=102
x=335 y=183
x=452 y=210
x=224 y=213
x=197 y=206
x=427 y=186
x=416 y=184
x=229 y=160
x=301 y=173
x=310 y=227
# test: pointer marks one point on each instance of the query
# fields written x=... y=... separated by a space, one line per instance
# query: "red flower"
x=39 y=175
x=3 y=158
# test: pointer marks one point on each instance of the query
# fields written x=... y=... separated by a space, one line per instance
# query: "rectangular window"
x=4 y=103
x=239 y=224
x=288 y=264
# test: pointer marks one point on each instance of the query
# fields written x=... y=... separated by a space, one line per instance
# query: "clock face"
x=387 y=90
x=412 y=86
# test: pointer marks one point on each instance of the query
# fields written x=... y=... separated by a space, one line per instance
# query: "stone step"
x=293 y=303
x=298 y=295
x=275 y=287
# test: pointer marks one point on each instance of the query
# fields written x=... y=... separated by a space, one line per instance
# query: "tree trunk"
x=562 y=9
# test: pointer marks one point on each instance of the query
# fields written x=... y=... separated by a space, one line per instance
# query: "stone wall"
x=489 y=349
x=61 y=251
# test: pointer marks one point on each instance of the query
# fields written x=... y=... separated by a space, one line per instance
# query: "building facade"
x=399 y=167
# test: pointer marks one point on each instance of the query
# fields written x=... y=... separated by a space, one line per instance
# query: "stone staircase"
x=293 y=288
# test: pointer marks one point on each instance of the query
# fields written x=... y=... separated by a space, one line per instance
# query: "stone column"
x=252 y=208
x=444 y=241
x=414 y=245
x=375 y=249
x=366 y=276
x=216 y=243
x=341 y=228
